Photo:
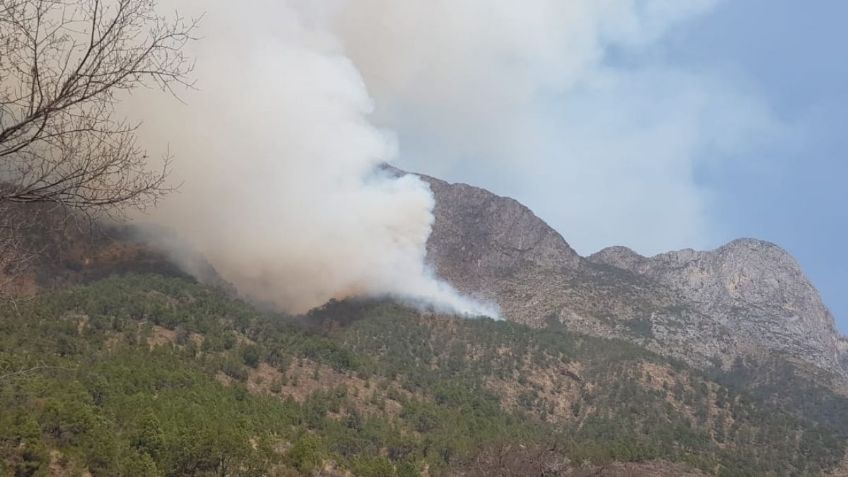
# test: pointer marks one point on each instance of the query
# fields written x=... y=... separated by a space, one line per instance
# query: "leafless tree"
x=64 y=65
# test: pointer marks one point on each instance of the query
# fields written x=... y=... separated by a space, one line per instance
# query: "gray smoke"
x=278 y=150
x=281 y=186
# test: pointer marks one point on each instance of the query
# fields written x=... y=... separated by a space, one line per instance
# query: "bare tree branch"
x=64 y=65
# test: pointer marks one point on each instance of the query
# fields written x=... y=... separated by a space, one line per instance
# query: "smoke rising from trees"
x=281 y=185
x=278 y=148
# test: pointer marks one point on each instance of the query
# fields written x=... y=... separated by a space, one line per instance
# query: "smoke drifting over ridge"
x=278 y=153
x=573 y=107
x=281 y=186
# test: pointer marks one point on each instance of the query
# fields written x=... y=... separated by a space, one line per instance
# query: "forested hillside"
x=147 y=375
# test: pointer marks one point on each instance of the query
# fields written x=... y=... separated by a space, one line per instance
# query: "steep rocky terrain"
x=753 y=288
x=746 y=299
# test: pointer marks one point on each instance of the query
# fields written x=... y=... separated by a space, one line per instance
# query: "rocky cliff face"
x=747 y=298
x=479 y=238
x=753 y=288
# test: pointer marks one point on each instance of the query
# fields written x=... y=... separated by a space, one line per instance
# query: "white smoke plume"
x=281 y=186
x=573 y=107
x=278 y=149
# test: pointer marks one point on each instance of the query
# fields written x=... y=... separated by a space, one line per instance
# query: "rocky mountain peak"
x=478 y=237
x=747 y=296
x=749 y=274
x=620 y=257
x=745 y=270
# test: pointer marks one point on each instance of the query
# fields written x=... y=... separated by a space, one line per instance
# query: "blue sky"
x=795 y=54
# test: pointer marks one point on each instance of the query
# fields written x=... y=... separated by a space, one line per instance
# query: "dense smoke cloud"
x=278 y=149
x=281 y=186
x=569 y=106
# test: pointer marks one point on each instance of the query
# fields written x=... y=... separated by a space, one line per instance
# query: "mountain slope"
x=747 y=298
x=687 y=363
x=148 y=375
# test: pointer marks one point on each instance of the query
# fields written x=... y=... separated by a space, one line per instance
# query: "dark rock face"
x=495 y=248
x=748 y=297
x=478 y=237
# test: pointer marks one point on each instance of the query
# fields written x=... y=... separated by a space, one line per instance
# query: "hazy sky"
x=796 y=55
x=726 y=121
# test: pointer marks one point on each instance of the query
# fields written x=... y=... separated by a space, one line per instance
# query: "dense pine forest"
x=146 y=375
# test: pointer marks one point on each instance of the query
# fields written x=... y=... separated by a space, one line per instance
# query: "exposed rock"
x=754 y=288
x=494 y=236
x=748 y=297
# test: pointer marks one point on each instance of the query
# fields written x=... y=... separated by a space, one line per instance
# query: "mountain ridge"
x=722 y=362
x=748 y=297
